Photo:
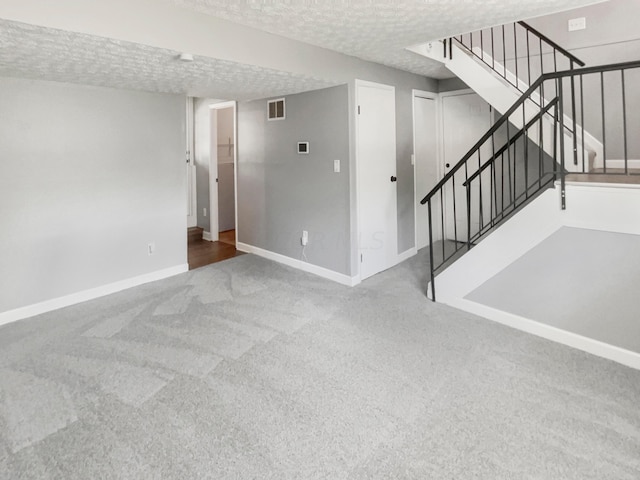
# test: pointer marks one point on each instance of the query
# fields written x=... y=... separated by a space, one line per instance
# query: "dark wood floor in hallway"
x=202 y=252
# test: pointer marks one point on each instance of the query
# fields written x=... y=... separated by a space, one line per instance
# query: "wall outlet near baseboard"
x=305 y=238
x=151 y=248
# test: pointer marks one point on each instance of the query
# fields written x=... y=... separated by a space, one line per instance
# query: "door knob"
x=393 y=179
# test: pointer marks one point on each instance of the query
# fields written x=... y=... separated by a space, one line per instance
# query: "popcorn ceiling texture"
x=378 y=30
x=28 y=51
x=373 y=30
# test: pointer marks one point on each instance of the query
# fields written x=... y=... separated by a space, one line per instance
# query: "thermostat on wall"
x=303 y=147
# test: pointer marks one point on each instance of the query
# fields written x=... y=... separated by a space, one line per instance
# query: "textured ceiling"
x=28 y=51
x=374 y=30
x=377 y=30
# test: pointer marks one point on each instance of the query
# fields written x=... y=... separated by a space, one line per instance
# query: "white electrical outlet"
x=151 y=248
x=336 y=166
x=577 y=24
x=204 y=212
x=305 y=237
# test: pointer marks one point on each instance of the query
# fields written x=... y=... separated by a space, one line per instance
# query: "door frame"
x=364 y=83
x=213 y=168
x=192 y=184
x=438 y=133
x=443 y=95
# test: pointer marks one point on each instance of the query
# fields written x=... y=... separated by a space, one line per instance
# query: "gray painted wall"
x=88 y=177
x=451 y=84
x=281 y=193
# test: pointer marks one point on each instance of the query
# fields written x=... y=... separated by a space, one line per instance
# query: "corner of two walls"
x=281 y=193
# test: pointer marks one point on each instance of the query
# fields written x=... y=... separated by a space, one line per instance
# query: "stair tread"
x=194 y=234
x=632 y=179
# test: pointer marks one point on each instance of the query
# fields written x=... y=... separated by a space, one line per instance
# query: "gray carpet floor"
x=250 y=370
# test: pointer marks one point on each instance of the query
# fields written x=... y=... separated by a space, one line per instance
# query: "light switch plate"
x=577 y=24
x=336 y=166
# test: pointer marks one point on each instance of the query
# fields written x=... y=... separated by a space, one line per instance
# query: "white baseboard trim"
x=406 y=255
x=300 y=265
x=207 y=236
x=619 y=163
x=85 y=295
x=589 y=345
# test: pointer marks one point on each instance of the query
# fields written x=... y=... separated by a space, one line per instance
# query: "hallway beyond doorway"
x=202 y=252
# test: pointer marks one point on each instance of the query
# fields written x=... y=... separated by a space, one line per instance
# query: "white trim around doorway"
x=213 y=163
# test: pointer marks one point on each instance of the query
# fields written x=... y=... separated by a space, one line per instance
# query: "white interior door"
x=427 y=171
x=376 y=170
x=192 y=213
x=213 y=173
x=225 y=160
x=465 y=118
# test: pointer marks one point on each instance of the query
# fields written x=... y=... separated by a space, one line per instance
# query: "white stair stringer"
x=501 y=95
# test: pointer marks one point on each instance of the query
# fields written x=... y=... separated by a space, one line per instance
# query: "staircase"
x=492 y=63
x=547 y=131
x=194 y=234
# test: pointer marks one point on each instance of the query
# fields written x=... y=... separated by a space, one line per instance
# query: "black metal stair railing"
x=525 y=152
x=516 y=50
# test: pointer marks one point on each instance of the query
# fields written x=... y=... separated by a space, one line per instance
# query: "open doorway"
x=214 y=237
x=223 y=158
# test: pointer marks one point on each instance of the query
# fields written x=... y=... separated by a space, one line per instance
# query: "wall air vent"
x=275 y=109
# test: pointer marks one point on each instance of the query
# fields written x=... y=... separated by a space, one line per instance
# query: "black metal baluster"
x=624 y=124
x=468 y=217
x=582 y=122
x=442 y=219
x=562 y=170
x=493 y=51
x=541 y=140
x=515 y=54
x=504 y=53
x=528 y=61
x=555 y=140
x=494 y=193
x=525 y=140
x=481 y=211
x=509 y=162
x=515 y=168
x=455 y=213
x=573 y=117
x=541 y=59
x=431 y=266
x=604 y=130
